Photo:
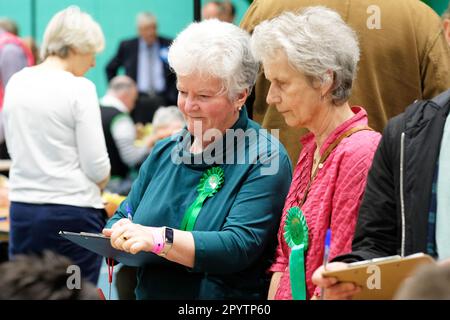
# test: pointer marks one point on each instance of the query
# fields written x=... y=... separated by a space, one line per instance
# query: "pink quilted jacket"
x=335 y=196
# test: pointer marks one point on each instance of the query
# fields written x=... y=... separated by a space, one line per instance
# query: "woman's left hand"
x=130 y=237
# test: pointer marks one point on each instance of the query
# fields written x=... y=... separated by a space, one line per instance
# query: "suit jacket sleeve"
x=115 y=63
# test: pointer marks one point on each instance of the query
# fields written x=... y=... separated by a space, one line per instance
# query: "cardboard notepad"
x=101 y=245
x=380 y=278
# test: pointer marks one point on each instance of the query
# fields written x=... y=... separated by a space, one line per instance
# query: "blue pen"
x=128 y=209
x=325 y=255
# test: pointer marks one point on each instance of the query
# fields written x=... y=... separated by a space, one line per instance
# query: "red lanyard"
x=323 y=158
x=110 y=274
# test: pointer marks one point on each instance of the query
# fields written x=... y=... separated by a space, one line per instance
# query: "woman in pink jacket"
x=311 y=61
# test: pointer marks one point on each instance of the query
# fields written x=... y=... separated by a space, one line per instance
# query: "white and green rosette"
x=210 y=183
x=296 y=236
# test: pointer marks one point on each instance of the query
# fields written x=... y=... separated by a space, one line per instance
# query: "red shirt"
x=335 y=196
x=8 y=38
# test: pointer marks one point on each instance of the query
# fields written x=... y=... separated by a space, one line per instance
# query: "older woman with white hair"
x=55 y=139
x=311 y=61
x=210 y=222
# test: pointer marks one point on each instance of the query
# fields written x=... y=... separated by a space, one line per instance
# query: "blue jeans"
x=34 y=228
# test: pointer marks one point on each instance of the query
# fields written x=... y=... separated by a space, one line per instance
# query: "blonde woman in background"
x=55 y=140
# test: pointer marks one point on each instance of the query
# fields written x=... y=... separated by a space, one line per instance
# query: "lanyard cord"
x=110 y=275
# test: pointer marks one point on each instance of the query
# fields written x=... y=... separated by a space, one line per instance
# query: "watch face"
x=169 y=235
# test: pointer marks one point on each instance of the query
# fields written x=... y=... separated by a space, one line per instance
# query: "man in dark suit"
x=145 y=61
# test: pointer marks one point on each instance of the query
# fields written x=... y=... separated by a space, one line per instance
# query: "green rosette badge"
x=296 y=236
x=210 y=183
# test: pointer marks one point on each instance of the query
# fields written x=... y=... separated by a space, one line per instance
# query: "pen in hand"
x=325 y=256
x=129 y=217
x=128 y=209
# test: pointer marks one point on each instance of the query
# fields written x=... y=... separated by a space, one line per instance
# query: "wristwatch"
x=168 y=241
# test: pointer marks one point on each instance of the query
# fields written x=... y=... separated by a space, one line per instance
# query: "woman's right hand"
x=334 y=290
x=130 y=237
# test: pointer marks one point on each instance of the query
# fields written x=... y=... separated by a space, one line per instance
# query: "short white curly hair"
x=218 y=49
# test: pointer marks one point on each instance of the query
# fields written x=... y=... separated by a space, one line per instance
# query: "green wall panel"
x=438 y=5
x=20 y=11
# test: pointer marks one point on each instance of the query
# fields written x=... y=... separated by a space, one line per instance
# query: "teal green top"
x=235 y=233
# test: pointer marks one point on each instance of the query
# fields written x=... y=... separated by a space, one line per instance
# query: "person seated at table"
x=207 y=201
x=167 y=121
x=120 y=133
x=311 y=60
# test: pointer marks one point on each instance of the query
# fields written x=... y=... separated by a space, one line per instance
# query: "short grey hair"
x=217 y=49
x=167 y=115
x=72 y=29
x=316 y=41
x=121 y=83
x=9 y=25
x=144 y=18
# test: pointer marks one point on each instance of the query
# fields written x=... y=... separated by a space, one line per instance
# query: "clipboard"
x=391 y=272
x=101 y=245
